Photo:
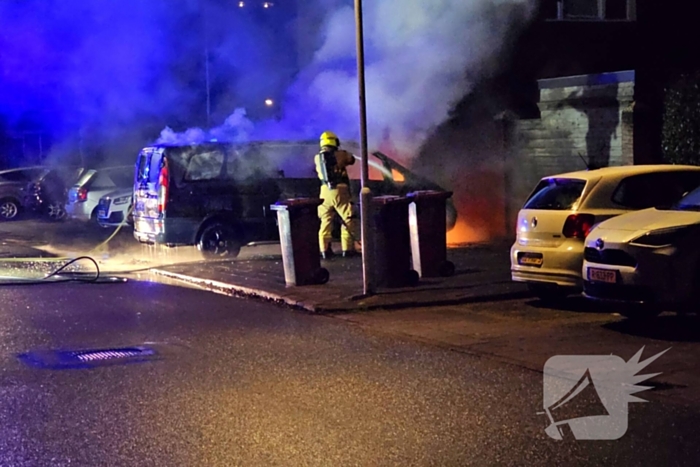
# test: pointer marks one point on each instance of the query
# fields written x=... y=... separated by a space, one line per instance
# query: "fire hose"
x=68 y=262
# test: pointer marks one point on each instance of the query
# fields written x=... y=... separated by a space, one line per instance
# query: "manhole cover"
x=58 y=359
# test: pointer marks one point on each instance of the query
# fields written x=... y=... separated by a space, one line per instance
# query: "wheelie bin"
x=427 y=214
x=298 y=226
x=392 y=242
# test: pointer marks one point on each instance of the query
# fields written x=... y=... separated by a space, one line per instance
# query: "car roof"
x=228 y=143
x=624 y=171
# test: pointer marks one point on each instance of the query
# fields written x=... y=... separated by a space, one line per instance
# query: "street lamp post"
x=366 y=194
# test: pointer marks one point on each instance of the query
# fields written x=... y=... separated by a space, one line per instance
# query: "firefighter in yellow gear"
x=331 y=167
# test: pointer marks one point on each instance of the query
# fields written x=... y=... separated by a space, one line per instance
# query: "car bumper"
x=78 y=211
x=115 y=219
x=560 y=266
x=658 y=277
x=165 y=231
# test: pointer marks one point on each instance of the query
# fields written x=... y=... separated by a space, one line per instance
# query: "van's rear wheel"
x=218 y=240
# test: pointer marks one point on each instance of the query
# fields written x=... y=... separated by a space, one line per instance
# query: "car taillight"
x=578 y=225
x=163 y=186
x=82 y=195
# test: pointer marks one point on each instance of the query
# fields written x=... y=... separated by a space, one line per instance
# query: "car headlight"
x=662 y=237
x=122 y=200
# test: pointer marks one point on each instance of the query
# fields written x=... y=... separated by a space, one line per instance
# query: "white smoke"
x=422 y=56
x=237 y=128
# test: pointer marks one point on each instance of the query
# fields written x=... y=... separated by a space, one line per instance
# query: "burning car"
x=217 y=195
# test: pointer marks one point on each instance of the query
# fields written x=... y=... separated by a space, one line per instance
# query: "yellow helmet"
x=328 y=138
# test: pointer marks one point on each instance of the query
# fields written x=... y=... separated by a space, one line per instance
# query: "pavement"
x=482 y=273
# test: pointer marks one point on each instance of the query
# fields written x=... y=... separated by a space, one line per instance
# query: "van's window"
x=556 y=194
x=142 y=166
x=655 y=189
x=205 y=165
x=148 y=165
x=255 y=161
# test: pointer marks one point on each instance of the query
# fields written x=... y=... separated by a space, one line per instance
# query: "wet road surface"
x=238 y=382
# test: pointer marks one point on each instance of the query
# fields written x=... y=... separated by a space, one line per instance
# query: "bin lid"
x=389 y=199
x=429 y=194
x=293 y=203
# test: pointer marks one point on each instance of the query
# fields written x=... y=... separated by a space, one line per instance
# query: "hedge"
x=681 y=121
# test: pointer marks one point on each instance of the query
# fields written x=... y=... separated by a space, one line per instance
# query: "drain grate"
x=60 y=359
x=98 y=355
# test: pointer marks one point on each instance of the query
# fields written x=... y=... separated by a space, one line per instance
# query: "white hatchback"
x=649 y=258
x=561 y=211
x=84 y=196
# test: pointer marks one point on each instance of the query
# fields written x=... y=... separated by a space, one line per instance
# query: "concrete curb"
x=512 y=292
x=233 y=290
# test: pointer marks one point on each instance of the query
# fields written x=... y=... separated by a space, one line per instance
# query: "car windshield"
x=556 y=194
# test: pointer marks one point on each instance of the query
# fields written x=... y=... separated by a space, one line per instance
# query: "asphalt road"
x=239 y=382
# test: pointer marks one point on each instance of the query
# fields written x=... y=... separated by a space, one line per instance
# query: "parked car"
x=548 y=252
x=13 y=183
x=114 y=207
x=649 y=259
x=47 y=195
x=217 y=196
x=84 y=196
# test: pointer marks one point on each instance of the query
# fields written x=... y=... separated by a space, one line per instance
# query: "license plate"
x=101 y=214
x=531 y=259
x=602 y=275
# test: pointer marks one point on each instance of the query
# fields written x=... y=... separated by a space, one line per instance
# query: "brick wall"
x=587 y=117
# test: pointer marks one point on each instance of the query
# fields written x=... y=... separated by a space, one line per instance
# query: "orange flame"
x=397 y=176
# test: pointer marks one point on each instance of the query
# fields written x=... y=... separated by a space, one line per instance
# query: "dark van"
x=217 y=196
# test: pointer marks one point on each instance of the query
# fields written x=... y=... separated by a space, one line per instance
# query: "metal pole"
x=206 y=66
x=205 y=24
x=366 y=194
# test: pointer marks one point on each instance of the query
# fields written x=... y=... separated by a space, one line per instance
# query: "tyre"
x=93 y=217
x=56 y=211
x=549 y=294
x=217 y=240
x=9 y=210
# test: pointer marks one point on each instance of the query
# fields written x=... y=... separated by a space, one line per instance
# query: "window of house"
x=586 y=10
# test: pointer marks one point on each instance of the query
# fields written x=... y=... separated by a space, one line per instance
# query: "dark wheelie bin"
x=298 y=225
x=392 y=242
x=427 y=214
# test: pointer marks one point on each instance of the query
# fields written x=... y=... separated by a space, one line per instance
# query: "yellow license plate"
x=602 y=275
x=531 y=260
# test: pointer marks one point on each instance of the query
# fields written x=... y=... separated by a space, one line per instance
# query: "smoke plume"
x=421 y=58
x=105 y=78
